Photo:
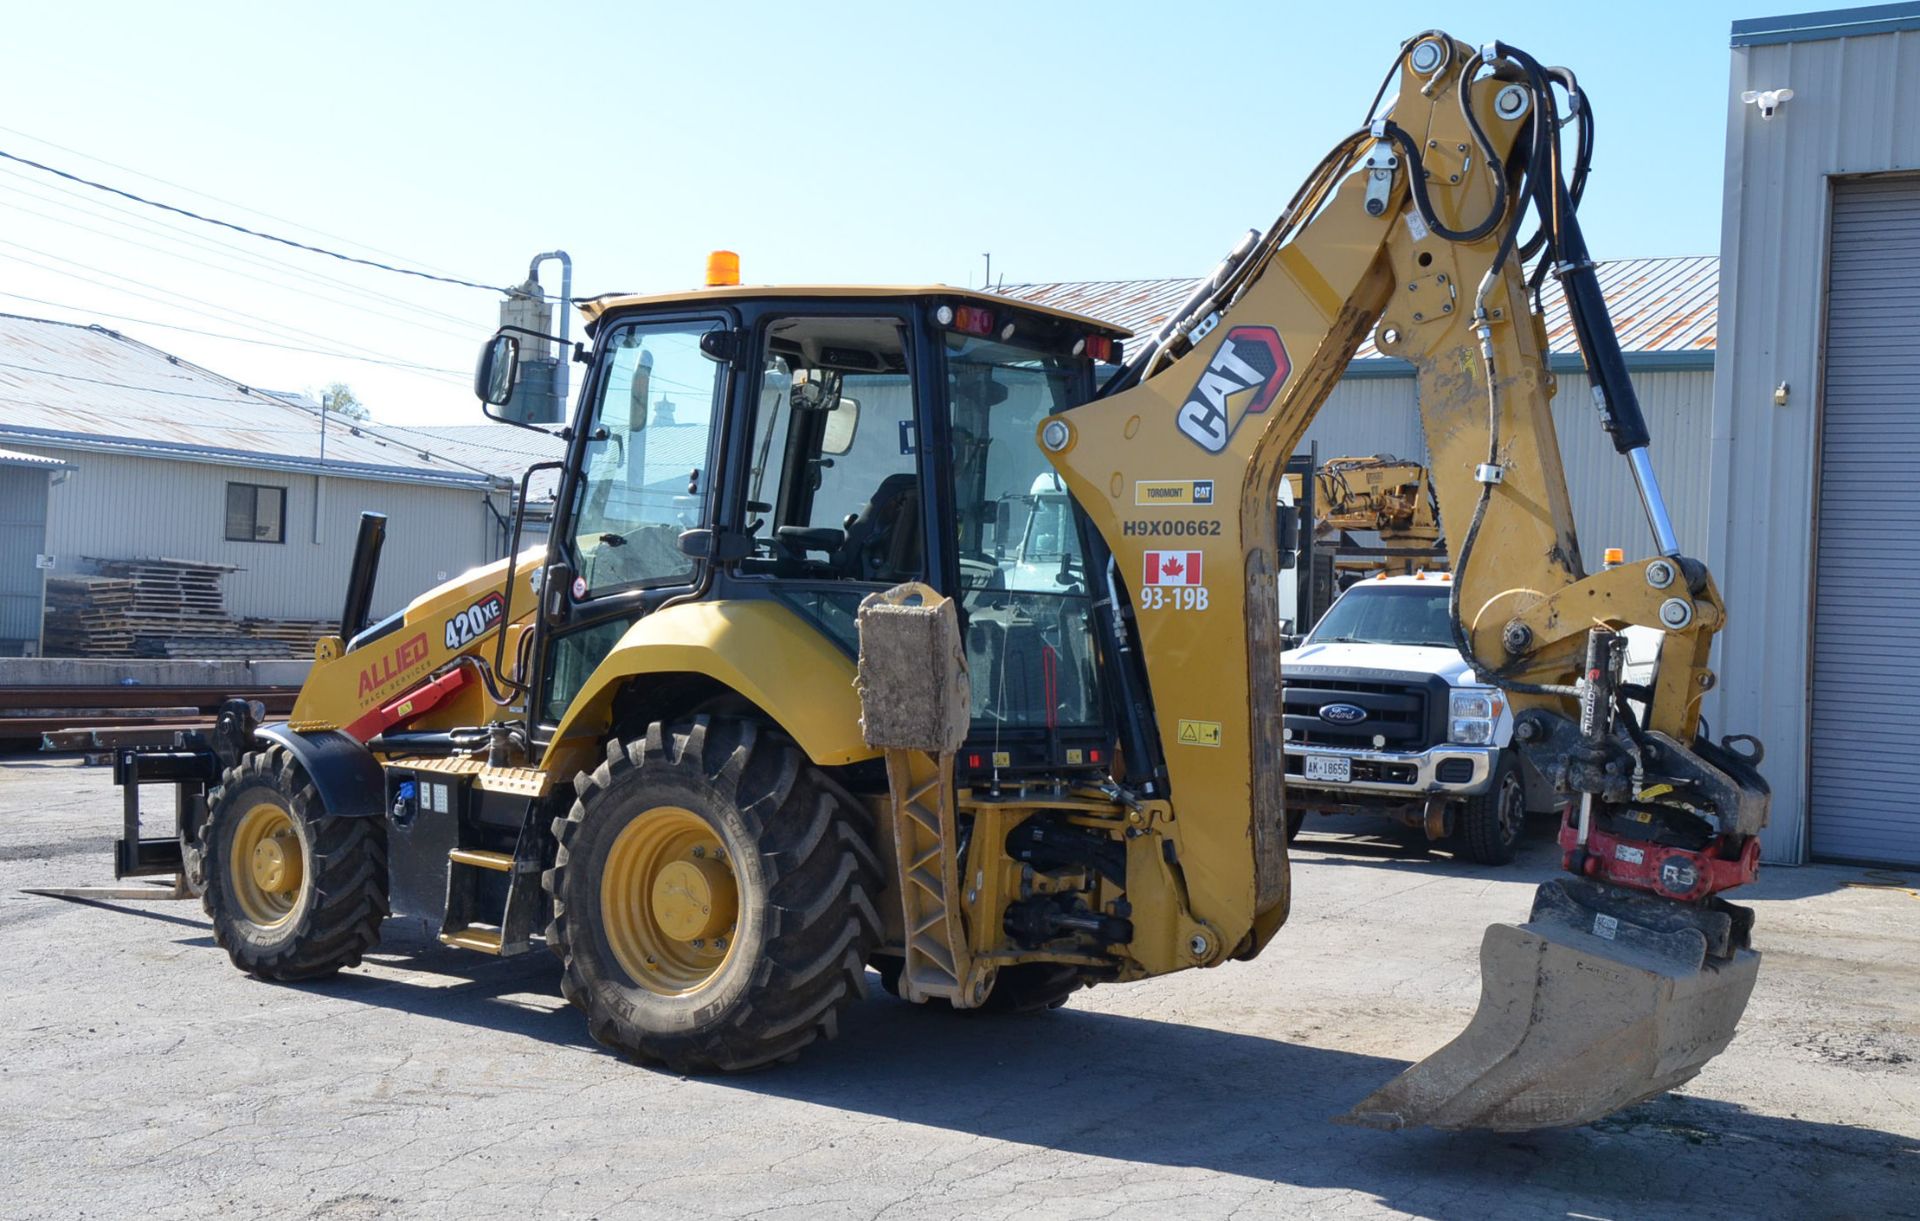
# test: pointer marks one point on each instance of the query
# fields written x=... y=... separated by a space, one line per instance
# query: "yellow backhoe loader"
x=879 y=629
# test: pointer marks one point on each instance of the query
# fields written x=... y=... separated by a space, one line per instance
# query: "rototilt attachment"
x=1602 y=999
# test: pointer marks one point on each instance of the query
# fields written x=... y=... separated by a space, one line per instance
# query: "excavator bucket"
x=1582 y=1011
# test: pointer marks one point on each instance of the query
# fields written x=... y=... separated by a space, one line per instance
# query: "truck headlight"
x=1475 y=704
x=1472 y=733
x=1471 y=714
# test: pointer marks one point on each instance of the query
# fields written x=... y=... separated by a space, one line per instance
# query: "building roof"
x=13 y=457
x=501 y=450
x=67 y=386
x=1832 y=23
x=1659 y=306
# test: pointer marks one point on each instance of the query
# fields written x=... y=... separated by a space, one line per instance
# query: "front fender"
x=786 y=666
x=345 y=773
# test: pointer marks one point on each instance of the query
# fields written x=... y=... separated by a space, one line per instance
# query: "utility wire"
x=201 y=262
x=227 y=224
x=255 y=324
x=406 y=365
x=180 y=186
x=115 y=213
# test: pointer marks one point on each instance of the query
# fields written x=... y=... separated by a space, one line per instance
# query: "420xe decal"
x=476 y=621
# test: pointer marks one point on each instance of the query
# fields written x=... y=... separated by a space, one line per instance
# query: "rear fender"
x=345 y=773
x=777 y=661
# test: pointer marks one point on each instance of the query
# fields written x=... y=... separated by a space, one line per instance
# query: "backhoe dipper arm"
x=1415 y=225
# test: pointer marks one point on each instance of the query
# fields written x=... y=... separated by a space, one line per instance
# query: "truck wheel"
x=1490 y=824
x=712 y=898
x=1296 y=818
x=294 y=892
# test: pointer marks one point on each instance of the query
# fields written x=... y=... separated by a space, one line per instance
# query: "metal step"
x=479 y=858
x=479 y=937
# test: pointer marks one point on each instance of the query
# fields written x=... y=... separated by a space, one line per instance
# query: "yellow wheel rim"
x=668 y=901
x=267 y=865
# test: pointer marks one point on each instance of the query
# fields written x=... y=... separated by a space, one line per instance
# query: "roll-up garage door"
x=1865 y=753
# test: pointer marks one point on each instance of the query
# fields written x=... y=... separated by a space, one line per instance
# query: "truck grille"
x=1395 y=711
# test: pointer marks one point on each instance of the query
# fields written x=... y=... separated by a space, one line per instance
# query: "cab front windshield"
x=1023 y=576
x=1388 y=614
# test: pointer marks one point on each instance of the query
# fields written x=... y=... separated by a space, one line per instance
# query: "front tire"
x=712 y=898
x=294 y=893
x=1490 y=824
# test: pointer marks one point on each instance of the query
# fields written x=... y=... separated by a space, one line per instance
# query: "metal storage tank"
x=1815 y=534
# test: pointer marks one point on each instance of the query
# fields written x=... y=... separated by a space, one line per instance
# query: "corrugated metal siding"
x=1678 y=406
x=23 y=532
x=1851 y=113
x=1373 y=415
x=1864 y=774
x=117 y=506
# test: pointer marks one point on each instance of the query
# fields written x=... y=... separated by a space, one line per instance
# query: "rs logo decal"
x=475 y=621
x=1242 y=379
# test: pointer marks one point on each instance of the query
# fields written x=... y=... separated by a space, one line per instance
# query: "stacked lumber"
x=299 y=635
x=87 y=617
x=174 y=598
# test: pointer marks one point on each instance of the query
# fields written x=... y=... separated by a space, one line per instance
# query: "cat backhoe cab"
x=877 y=631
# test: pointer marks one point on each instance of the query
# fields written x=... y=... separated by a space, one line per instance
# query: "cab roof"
x=597 y=307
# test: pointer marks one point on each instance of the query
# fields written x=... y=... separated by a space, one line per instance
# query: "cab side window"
x=832 y=488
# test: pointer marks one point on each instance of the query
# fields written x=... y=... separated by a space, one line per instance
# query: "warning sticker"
x=1172 y=492
x=1199 y=733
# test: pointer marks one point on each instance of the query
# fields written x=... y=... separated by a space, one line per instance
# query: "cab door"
x=642 y=467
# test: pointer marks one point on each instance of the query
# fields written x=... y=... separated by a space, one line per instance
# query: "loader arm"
x=1416 y=228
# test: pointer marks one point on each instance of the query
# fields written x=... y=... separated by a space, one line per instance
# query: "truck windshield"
x=1388 y=614
x=1023 y=578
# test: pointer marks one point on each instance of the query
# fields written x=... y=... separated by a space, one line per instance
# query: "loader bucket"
x=1573 y=1026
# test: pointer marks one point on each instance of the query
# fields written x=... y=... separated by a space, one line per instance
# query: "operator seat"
x=883 y=538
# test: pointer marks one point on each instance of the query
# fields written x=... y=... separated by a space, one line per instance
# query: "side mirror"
x=1289 y=537
x=842 y=420
x=499 y=368
x=1002 y=524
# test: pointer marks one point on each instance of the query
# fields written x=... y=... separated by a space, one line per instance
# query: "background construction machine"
x=1375 y=515
x=1063 y=764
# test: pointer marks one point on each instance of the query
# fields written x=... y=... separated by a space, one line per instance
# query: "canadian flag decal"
x=1173 y=568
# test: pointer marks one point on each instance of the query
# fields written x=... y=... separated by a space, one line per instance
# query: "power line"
x=152 y=226
x=256 y=324
x=199 y=261
x=404 y=365
x=179 y=186
x=226 y=224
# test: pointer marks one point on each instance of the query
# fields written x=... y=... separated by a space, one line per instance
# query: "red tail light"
x=1100 y=347
x=973 y=320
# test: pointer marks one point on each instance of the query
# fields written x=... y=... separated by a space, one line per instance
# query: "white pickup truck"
x=1383 y=716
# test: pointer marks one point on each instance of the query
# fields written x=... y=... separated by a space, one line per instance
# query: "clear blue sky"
x=824 y=142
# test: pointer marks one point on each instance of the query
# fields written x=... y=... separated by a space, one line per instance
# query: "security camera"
x=1768 y=100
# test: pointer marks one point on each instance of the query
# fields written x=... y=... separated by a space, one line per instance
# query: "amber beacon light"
x=723 y=269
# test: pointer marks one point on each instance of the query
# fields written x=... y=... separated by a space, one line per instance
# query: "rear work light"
x=1100 y=347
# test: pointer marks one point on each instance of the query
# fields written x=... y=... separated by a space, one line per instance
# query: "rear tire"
x=294 y=893
x=785 y=875
x=1490 y=824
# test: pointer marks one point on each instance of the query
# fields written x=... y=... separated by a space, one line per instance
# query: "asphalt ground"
x=142 y=1076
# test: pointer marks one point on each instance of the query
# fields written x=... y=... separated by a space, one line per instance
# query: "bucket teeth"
x=1571 y=1027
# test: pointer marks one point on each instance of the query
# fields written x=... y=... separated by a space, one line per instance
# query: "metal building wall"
x=1369 y=414
x=1678 y=405
x=1851 y=113
x=23 y=532
x=120 y=506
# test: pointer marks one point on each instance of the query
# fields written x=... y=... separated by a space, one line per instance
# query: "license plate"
x=1329 y=767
